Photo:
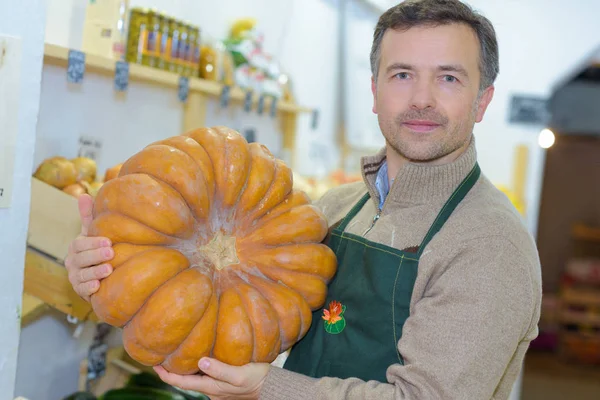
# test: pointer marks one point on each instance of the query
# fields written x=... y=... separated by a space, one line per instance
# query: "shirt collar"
x=416 y=183
x=382 y=183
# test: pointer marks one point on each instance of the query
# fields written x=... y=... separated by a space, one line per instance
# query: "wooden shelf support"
x=48 y=281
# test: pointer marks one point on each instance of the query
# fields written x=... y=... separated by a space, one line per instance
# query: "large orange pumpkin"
x=215 y=253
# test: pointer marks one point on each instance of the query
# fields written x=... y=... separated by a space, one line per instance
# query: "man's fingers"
x=204 y=384
x=186 y=382
x=89 y=258
x=83 y=243
x=94 y=273
x=86 y=206
x=87 y=289
x=221 y=371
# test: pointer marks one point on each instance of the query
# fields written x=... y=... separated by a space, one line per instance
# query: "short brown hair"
x=411 y=13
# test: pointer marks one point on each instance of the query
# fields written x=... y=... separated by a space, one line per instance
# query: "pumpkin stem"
x=221 y=251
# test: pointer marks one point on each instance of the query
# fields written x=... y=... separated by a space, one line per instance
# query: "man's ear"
x=484 y=101
x=374 y=91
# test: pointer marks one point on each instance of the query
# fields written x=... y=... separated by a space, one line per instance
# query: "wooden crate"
x=53 y=224
x=53 y=220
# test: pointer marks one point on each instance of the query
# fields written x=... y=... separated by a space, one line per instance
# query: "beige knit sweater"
x=476 y=300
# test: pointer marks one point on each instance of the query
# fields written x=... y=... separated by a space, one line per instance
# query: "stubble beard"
x=429 y=148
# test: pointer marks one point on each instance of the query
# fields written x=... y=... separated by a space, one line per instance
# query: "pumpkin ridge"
x=315 y=254
x=280 y=170
x=158 y=179
x=247 y=175
x=222 y=133
x=262 y=288
x=241 y=220
x=132 y=255
x=130 y=167
x=250 y=212
x=298 y=312
x=155 y=289
x=276 y=267
x=130 y=337
x=213 y=302
x=296 y=197
x=194 y=325
x=141 y=223
x=247 y=315
x=262 y=167
x=210 y=195
x=264 y=309
x=211 y=166
x=179 y=314
x=272 y=274
x=142 y=306
x=175 y=193
x=94 y=231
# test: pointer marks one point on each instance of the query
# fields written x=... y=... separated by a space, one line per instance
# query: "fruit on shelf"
x=112 y=172
x=86 y=169
x=57 y=171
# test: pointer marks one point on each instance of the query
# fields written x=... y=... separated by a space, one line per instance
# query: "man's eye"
x=401 y=75
x=449 y=78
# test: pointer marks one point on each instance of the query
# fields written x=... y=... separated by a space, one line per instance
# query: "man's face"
x=427 y=92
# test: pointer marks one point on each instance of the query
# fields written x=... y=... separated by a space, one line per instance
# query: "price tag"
x=315 y=119
x=89 y=147
x=184 y=88
x=261 y=104
x=273 y=111
x=76 y=66
x=248 y=101
x=121 y=76
x=225 y=96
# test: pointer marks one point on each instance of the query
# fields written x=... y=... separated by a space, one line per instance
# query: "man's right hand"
x=87 y=258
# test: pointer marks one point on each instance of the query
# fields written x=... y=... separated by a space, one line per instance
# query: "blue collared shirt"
x=382 y=183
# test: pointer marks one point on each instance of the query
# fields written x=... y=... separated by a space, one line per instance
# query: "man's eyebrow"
x=397 y=66
x=454 y=68
x=445 y=68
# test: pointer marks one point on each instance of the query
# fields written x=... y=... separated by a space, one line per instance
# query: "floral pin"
x=334 y=318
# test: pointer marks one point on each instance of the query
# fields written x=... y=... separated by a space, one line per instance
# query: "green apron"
x=373 y=286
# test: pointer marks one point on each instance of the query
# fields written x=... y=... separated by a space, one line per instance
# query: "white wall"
x=24 y=19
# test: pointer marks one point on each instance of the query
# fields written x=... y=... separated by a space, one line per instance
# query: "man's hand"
x=86 y=255
x=221 y=381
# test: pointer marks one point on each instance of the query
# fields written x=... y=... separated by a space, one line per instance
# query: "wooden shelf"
x=48 y=281
x=59 y=56
x=31 y=309
x=586 y=233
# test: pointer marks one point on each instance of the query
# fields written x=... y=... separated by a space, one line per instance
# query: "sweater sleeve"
x=477 y=312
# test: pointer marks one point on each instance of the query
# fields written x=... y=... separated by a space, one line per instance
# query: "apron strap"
x=454 y=200
x=352 y=213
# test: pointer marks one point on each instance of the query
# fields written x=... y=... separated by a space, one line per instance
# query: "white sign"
x=89 y=147
x=10 y=66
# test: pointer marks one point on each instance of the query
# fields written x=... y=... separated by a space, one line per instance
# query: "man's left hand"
x=221 y=381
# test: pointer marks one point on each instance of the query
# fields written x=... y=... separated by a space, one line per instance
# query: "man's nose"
x=423 y=96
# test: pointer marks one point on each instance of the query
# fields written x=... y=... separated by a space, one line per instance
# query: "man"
x=438 y=282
